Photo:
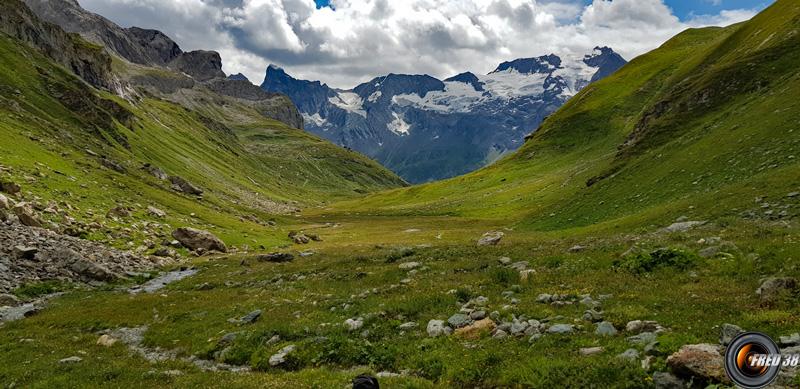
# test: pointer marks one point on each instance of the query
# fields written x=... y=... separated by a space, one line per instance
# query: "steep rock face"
x=201 y=65
x=145 y=47
x=426 y=129
x=272 y=105
x=85 y=60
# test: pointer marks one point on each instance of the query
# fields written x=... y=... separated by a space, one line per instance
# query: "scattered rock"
x=183 y=186
x=70 y=360
x=458 y=320
x=9 y=187
x=701 y=362
x=156 y=172
x=354 y=324
x=576 y=249
x=112 y=165
x=153 y=211
x=437 y=328
x=682 y=226
x=251 y=317
x=280 y=358
x=8 y=300
x=194 y=239
x=524 y=275
x=409 y=265
x=504 y=261
x=642 y=339
x=784 y=341
x=24 y=252
x=593 y=315
x=666 y=380
x=561 y=329
x=106 y=341
x=4 y=203
x=630 y=354
x=93 y=270
x=119 y=211
x=275 y=257
x=26 y=215
x=727 y=332
x=774 y=289
x=500 y=334
x=638 y=326
x=605 y=329
x=476 y=329
x=591 y=351
x=408 y=326
x=491 y=238
x=544 y=298
x=477 y=315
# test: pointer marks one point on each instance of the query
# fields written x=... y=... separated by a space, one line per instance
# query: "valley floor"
x=362 y=303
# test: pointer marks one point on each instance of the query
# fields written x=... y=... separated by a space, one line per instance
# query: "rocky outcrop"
x=200 y=64
x=60 y=257
x=272 y=105
x=87 y=61
x=141 y=46
x=195 y=239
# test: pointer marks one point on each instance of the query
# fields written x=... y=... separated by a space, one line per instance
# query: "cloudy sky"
x=346 y=42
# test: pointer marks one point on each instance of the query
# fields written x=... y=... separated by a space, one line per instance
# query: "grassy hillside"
x=708 y=118
x=57 y=131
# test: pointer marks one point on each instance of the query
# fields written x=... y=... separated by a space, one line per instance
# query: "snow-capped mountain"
x=426 y=129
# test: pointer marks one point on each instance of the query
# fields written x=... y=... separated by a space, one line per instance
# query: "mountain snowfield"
x=426 y=129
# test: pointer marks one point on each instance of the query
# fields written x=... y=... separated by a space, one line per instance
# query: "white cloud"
x=363 y=39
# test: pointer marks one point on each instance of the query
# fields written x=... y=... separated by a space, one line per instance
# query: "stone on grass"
x=700 y=362
x=275 y=257
x=153 y=211
x=195 y=239
x=280 y=358
x=605 y=329
x=593 y=315
x=773 y=289
x=682 y=226
x=408 y=326
x=458 y=320
x=491 y=238
x=783 y=341
x=727 y=332
x=70 y=360
x=477 y=315
x=437 y=328
x=251 y=317
x=353 y=324
x=106 y=341
x=630 y=354
x=591 y=351
x=476 y=329
x=666 y=380
x=409 y=265
x=561 y=329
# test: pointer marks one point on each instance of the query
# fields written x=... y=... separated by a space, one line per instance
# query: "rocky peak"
x=307 y=95
x=545 y=64
x=238 y=77
x=468 y=78
x=162 y=46
x=398 y=84
x=201 y=65
x=606 y=60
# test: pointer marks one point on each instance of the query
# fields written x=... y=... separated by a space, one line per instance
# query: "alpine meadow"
x=163 y=224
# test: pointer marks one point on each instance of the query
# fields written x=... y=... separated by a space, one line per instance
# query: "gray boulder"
x=181 y=185
x=605 y=329
x=194 y=239
x=491 y=238
x=773 y=289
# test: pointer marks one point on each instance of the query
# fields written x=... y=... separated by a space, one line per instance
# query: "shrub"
x=659 y=258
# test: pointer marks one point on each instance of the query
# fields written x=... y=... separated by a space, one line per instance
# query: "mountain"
x=701 y=126
x=426 y=129
x=207 y=151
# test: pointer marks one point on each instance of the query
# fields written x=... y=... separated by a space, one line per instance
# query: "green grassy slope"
x=700 y=126
x=251 y=169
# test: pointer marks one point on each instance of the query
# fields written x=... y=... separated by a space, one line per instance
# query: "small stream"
x=162 y=281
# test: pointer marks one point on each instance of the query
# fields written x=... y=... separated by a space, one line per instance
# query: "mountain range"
x=426 y=129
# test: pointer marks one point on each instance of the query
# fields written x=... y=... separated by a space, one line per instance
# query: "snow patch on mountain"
x=398 y=125
x=350 y=102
